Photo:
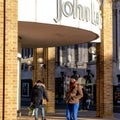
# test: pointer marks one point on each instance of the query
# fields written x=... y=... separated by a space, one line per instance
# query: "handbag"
x=44 y=101
x=31 y=107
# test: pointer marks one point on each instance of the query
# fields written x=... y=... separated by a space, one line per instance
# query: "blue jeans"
x=41 y=107
x=72 y=111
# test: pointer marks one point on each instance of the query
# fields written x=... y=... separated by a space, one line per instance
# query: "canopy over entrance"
x=49 y=23
x=34 y=35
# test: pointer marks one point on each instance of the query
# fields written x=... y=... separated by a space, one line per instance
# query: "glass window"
x=64 y=55
x=57 y=57
x=76 y=53
x=89 y=54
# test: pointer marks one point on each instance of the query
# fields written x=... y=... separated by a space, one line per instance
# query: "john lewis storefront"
x=41 y=24
x=69 y=22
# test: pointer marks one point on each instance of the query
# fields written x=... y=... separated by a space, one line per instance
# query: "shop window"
x=27 y=52
x=76 y=53
x=118 y=76
x=89 y=54
x=57 y=57
x=25 y=89
x=64 y=54
x=116 y=95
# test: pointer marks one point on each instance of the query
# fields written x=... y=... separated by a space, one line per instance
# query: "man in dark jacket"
x=38 y=93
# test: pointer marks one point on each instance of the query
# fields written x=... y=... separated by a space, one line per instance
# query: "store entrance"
x=59 y=94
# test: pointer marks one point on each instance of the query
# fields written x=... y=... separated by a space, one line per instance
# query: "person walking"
x=88 y=102
x=84 y=99
x=73 y=95
x=38 y=93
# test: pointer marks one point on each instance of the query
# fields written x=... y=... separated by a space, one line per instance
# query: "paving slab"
x=60 y=115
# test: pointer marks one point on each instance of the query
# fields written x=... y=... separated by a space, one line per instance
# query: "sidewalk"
x=60 y=115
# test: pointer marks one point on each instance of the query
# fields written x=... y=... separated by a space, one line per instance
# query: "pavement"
x=60 y=115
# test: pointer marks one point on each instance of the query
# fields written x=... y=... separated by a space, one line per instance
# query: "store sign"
x=64 y=12
x=80 y=14
x=78 y=11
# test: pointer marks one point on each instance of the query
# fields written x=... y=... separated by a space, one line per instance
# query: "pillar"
x=34 y=68
x=49 y=60
x=48 y=73
x=8 y=59
x=40 y=70
x=104 y=81
x=19 y=79
x=37 y=70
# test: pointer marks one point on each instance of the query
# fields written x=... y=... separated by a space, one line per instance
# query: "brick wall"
x=8 y=59
x=1 y=57
x=48 y=55
x=104 y=65
x=50 y=78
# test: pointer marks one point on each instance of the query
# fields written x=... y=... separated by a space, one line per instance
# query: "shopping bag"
x=44 y=101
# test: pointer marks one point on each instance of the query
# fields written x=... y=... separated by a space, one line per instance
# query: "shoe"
x=44 y=119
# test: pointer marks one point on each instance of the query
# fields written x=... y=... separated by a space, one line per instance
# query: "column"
x=2 y=53
x=8 y=59
x=49 y=60
x=19 y=80
x=37 y=70
x=104 y=65
x=40 y=69
x=34 y=72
